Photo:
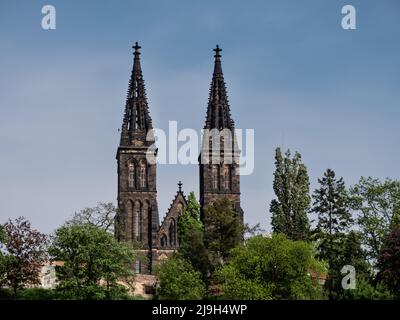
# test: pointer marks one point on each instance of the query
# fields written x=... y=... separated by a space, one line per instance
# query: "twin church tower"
x=137 y=219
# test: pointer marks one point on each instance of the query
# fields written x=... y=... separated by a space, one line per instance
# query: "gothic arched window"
x=137 y=266
x=128 y=225
x=180 y=208
x=172 y=233
x=131 y=175
x=163 y=240
x=136 y=221
x=227 y=177
x=142 y=174
x=214 y=177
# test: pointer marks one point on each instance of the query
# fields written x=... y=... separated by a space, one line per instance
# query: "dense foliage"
x=291 y=186
x=2 y=258
x=101 y=216
x=24 y=252
x=191 y=237
x=331 y=204
x=225 y=230
x=357 y=228
x=93 y=262
x=389 y=262
x=365 y=290
x=377 y=204
x=179 y=281
x=272 y=268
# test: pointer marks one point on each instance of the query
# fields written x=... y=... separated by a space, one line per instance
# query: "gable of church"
x=168 y=237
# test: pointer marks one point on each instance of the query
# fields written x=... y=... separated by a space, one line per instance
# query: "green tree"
x=378 y=207
x=3 y=236
x=353 y=254
x=366 y=291
x=190 y=217
x=331 y=204
x=2 y=258
x=102 y=216
x=254 y=230
x=272 y=268
x=24 y=254
x=224 y=229
x=389 y=262
x=177 y=280
x=291 y=186
x=191 y=237
x=91 y=255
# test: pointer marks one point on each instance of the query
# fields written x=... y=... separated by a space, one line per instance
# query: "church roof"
x=179 y=197
x=137 y=120
x=218 y=111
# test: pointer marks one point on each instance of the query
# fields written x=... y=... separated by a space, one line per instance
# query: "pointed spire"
x=217 y=64
x=136 y=60
x=218 y=111
x=180 y=186
x=137 y=121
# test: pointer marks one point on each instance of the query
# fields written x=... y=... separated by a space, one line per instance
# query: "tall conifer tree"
x=290 y=208
x=331 y=203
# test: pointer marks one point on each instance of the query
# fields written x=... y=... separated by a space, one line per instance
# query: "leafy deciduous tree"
x=179 y=281
x=253 y=230
x=378 y=207
x=291 y=186
x=271 y=268
x=2 y=234
x=190 y=217
x=25 y=254
x=2 y=259
x=389 y=262
x=101 y=216
x=91 y=255
x=366 y=291
x=191 y=237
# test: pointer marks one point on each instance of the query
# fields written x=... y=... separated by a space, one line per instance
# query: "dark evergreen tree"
x=331 y=203
x=225 y=230
x=291 y=185
x=353 y=254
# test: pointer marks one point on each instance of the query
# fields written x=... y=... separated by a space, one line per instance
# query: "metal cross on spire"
x=136 y=47
x=217 y=52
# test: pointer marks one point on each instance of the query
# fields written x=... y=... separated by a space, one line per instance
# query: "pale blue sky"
x=292 y=73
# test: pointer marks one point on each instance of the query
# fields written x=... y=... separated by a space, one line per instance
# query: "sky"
x=292 y=74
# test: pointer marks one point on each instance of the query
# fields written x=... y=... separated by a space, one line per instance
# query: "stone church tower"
x=219 y=175
x=138 y=219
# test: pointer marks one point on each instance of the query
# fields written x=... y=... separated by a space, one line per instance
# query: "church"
x=138 y=218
